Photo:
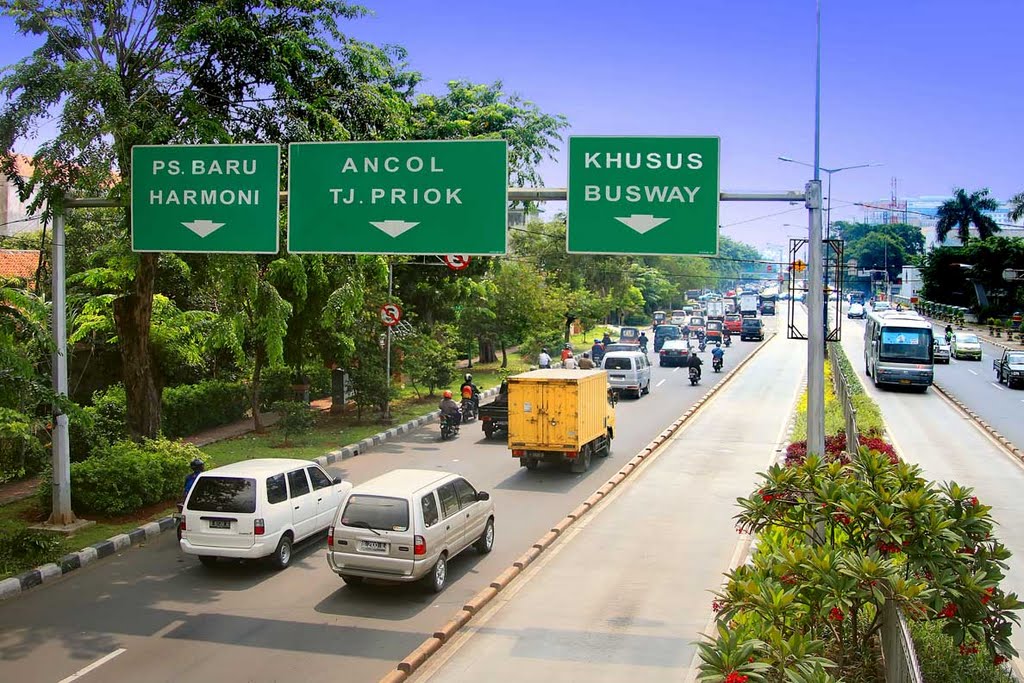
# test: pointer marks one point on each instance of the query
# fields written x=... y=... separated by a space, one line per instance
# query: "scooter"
x=469 y=409
x=694 y=376
x=703 y=345
x=728 y=341
x=449 y=427
x=716 y=363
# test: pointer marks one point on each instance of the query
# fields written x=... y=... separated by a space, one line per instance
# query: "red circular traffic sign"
x=390 y=314
x=456 y=261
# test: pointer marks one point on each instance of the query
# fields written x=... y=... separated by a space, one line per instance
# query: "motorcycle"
x=694 y=376
x=728 y=341
x=716 y=363
x=449 y=427
x=703 y=345
x=469 y=409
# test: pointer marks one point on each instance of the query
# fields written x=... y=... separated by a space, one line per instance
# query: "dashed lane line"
x=95 y=665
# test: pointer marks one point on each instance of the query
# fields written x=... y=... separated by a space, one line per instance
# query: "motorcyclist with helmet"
x=471 y=392
x=694 y=361
x=450 y=410
x=197 y=466
x=717 y=356
x=643 y=342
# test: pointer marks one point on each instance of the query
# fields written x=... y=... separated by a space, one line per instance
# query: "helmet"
x=545 y=349
x=197 y=465
x=718 y=344
x=447 y=393
x=469 y=377
x=567 y=346
x=586 y=355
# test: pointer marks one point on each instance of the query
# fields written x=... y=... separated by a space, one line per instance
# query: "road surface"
x=179 y=621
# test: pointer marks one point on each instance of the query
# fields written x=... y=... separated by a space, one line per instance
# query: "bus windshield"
x=901 y=345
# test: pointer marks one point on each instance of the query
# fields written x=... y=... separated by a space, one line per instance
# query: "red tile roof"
x=19 y=263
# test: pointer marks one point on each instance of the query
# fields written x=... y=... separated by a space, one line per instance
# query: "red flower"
x=966 y=650
x=974 y=501
x=997 y=660
x=716 y=606
x=835 y=614
x=987 y=596
x=736 y=677
x=949 y=611
x=767 y=497
x=788 y=579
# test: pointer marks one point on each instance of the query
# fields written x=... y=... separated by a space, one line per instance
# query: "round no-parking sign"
x=390 y=314
x=456 y=261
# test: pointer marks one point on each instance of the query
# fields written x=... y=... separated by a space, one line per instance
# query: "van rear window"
x=376 y=512
x=617 y=364
x=223 y=494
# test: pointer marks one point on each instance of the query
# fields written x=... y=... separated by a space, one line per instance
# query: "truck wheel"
x=532 y=463
x=488 y=432
x=582 y=462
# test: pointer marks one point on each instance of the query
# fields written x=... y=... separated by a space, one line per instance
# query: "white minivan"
x=258 y=508
x=628 y=371
x=407 y=525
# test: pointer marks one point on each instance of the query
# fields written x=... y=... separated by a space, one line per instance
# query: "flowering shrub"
x=839 y=539
x=835 y=449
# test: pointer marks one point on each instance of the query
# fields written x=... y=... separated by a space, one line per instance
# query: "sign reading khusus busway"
x=436 y=197
x=205 y=198
x=643 y=195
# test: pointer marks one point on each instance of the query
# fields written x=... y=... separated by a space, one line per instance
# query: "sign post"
x=650 y=195
x=206 y=198
x=432 y=197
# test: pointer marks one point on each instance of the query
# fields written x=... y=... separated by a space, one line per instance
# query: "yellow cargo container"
x=560 y=416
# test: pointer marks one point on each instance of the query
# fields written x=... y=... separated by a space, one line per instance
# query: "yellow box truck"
x=560 y=416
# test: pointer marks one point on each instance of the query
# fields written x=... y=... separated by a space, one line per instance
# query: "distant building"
x=14 y=215
x=19 y=264
x=922 y=212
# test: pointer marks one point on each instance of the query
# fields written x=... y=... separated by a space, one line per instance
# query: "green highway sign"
x=432 y=197
x=206 y=198
x=643 y=195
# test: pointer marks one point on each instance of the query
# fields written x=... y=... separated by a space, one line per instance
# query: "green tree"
x=965 y=210
x=429 y=359
x=1017 y=206
x=120 y=74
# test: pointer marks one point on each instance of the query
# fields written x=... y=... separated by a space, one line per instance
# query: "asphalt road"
x=176 y=620
x=626 y=594
x=972 y=382
x=926 y=429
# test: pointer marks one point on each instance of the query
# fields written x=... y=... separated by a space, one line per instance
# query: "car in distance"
x=940 y=350
x=663 y=333
x=856 y=311
x=406 y=526
x=1010 y=368
x=733 y=323
x=621 y=346
x=674 y=352
x=965 y=345
x=880 y=306
x=752 y=328
x=258 y=508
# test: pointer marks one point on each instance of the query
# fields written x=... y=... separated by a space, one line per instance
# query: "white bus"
x=898 y=349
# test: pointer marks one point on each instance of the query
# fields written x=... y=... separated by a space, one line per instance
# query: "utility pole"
x=815 y=290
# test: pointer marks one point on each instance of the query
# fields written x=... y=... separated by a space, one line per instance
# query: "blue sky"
x=929 y=88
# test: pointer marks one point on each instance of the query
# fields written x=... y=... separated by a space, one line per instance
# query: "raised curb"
x=474 y=605
x=1007 y=445
x=16 y=585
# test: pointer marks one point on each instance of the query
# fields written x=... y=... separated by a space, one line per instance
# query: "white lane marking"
x=659 y=384
x=972 y=372
x=170 y=627
x=95 y=665
x=998 y=386
x=953 y=360
x=675 y=369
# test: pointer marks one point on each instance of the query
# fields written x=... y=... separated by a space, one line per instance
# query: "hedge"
x=125 y=476
x=191 y=408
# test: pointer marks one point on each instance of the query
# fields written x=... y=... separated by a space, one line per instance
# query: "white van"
x=407 y=525
x=628 y=371
x=258 y=508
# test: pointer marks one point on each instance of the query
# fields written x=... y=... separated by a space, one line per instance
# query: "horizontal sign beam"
x=515 y=194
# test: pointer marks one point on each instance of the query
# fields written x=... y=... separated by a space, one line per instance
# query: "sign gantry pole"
x=387 y=370
x=815 y=324
x=61 y=514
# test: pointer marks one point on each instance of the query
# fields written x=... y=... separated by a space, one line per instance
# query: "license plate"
x=618 y=377
x=220 y=523
x=378 y=547
x=904 y=381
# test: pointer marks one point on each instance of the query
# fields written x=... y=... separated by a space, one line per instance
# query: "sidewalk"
x=626 y=594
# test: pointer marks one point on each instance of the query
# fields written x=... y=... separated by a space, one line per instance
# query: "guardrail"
x=897 y=648
x=840 y=383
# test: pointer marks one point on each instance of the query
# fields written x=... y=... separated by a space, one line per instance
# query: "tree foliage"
x=963 y=211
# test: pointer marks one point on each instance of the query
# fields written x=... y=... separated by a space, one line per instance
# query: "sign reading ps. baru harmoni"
x=423 y=197
x=206 y=198
x=643 y=195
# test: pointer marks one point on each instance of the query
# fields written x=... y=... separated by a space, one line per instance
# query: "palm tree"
x=964 y=210
x=1017 y=207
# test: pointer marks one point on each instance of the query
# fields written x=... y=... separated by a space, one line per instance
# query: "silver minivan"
x=407 y=525
x=628 y=371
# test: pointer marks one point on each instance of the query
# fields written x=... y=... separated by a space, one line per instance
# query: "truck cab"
x=1010 y=368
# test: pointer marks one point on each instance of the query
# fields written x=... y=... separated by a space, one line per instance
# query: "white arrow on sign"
x=641 y=222
x=393 y=228
x=203 y=227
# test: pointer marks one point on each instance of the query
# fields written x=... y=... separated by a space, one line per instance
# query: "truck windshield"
x=901 y=345
x=1015 y=359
